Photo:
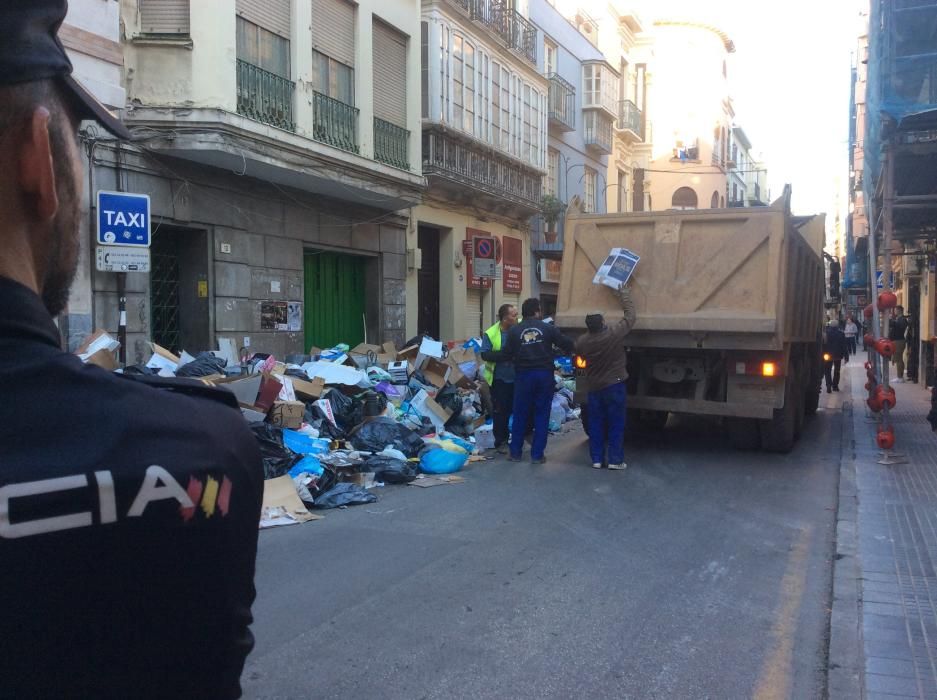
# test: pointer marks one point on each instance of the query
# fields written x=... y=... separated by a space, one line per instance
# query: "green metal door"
x=334 y=300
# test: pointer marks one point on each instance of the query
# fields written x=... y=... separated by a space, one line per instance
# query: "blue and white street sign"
x=124 y=219
x=880 y=276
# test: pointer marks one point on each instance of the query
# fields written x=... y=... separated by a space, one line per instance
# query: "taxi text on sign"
x=123 y=219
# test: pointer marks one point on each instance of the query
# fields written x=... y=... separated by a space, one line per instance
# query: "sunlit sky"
x=789 y=79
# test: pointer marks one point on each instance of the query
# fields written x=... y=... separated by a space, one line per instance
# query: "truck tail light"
x=758 y=368
x=826 y=357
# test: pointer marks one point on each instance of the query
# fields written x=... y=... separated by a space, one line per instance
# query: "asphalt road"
x=700 y=572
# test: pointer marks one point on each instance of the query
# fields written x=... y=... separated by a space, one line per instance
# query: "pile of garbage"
x=335 y=424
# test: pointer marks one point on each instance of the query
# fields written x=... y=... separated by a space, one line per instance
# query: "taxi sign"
x=123 y=219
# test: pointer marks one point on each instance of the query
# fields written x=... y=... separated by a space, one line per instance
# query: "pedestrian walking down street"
x=603 y=349
x=897 y=334
x=835 y=351
x=128 y=512
x=499 y=373
x=530 y=346
x=851 y=332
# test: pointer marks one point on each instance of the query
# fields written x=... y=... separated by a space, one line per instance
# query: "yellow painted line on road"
x=775 y=678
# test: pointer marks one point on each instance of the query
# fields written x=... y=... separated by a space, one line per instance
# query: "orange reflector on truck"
x=581 y=362
x=826 y=357
x=768 y=369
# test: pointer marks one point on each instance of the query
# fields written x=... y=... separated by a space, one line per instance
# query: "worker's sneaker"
x=538 y=460
x=514 y=458
x=501 y=449
x=618 y=467
x=596 y=465
x=897 y=380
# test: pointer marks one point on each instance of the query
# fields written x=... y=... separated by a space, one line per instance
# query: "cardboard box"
x=365 y=348
x=99 y=340
x=252 y=415
x=308 y=390
x=436 y=372
x=287 y=414
x=269 y=391
x=104 y=359
x=245 y=388
x=428 y=407
x=389 y=348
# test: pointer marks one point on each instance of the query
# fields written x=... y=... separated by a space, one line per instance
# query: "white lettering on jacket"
x=158 y=485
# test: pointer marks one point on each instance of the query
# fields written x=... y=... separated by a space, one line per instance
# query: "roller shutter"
x=333 y=29
x=164 y=16
x=473 y=313
x=390 y=74
x=273 y=15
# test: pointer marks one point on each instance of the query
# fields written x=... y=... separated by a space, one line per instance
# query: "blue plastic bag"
x=442 y=462
x=308 y=465
x=303 y=444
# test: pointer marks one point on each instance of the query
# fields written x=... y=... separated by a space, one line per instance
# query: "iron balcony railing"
x=562 y=103
x=500 y=18
x=264 y=96
x=523 y=36
x=598 y=132
x=391 y=144
x=483 y=170
x=629 y=118
x=334 y=122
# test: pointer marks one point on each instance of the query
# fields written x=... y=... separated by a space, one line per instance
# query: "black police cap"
x=31 y=50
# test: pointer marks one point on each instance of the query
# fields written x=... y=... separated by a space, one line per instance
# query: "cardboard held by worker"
x=617 y=268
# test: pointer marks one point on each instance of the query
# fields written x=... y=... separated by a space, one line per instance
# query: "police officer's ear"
x=33 y=156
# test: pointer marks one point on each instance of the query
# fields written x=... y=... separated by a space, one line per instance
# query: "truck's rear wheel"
x=800 y=411
x=743 y=433
x=647 y=419
x=812 y=384
x=778 y=433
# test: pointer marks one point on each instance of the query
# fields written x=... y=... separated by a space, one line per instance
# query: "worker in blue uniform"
x=128 y=512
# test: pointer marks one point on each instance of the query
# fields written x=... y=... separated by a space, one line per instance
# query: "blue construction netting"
x=902 y=73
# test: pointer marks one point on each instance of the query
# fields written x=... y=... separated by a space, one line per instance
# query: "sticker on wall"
x=294 y=315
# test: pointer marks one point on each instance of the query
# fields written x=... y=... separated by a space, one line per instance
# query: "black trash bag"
x=296 y=372
x=391 y=470
x=315 y=417
x=449 y=398
x=378 y=433
x=140 y=370
x=344 y=494
x=278 y=459
x=343 y=408
x=325 y=481
x=202 y=366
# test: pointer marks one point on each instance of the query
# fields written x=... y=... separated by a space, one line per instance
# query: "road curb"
x=845 y=653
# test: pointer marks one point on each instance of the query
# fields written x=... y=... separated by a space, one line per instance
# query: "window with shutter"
x=390 y=74
x=164 y=16
x=272 y=15
x=263 y=48
x=333 y=30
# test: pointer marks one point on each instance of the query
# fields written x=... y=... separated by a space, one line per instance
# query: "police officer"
x=530 y=346
x=128 y=512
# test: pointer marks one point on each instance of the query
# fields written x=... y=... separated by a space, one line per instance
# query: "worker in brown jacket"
x=603 y=349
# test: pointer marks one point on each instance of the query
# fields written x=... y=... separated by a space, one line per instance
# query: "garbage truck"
x=729 y=313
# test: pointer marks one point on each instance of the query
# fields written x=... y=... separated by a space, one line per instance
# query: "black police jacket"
x=128 y=526
x=834 y=343
x=530 y=344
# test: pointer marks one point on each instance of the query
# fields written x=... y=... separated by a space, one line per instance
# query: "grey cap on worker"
x=595 y=320
x=31 y=50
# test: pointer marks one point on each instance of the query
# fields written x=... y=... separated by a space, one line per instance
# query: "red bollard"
x=885 y=438
x=884 y=347
x=868 y=311
x=885 y=397
x=887 y=300
x=867 y=340
x=874 y=404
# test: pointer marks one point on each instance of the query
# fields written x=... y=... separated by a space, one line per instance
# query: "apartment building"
x=484 y=146
x=690 y=115
x=281 y=161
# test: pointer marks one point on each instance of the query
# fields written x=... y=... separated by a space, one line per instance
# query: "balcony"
x=598 y=132
x=334 y=122
x=562 y=104
x=391 y=144
x=470 y=172
x=506 y=23
x=264 y=96
x=629 y=120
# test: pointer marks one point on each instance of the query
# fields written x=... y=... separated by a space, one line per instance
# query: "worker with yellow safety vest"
x=499 y=373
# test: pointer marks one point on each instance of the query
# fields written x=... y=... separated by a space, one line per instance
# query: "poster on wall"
x=294 y=316
x=513 y=276
x=274 y=316
x=550 y=270
x=471 y=280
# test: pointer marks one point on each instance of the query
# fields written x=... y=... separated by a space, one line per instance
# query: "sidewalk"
x=885 y=579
